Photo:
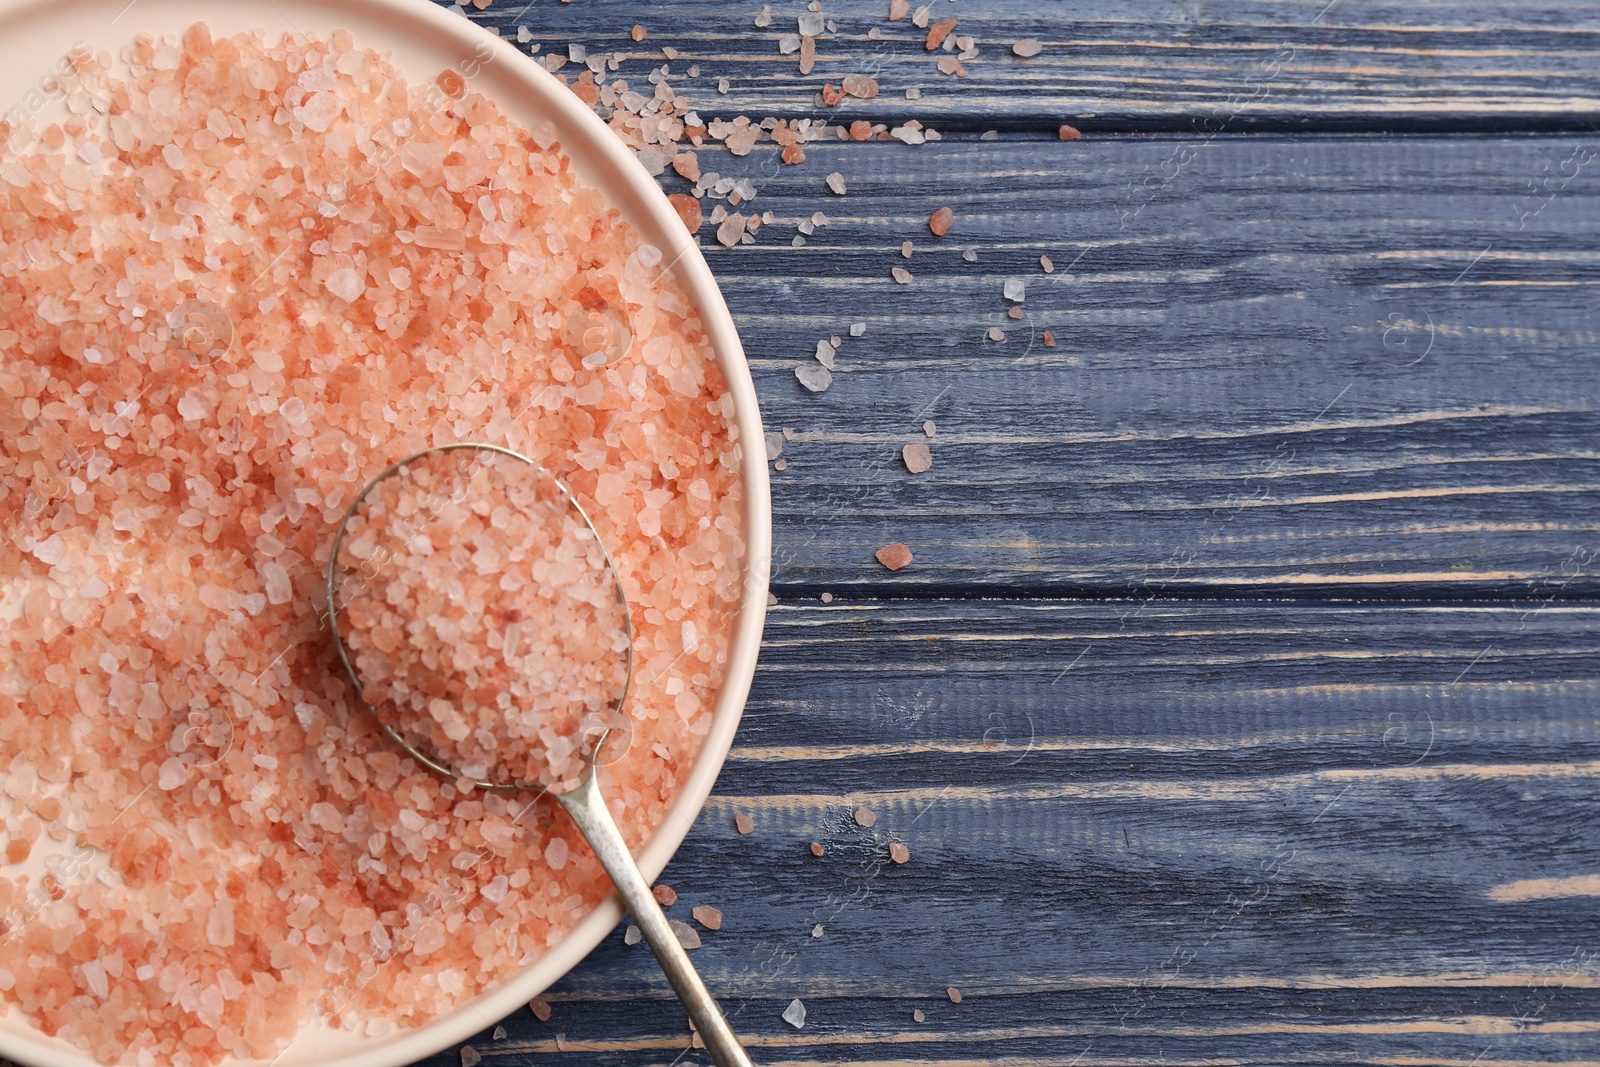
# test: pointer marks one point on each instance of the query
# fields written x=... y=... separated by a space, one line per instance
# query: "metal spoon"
x=582 y=801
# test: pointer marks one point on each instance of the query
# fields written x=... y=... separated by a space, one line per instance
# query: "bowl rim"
x=602 y=158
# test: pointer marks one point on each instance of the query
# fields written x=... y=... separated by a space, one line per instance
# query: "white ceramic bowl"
x=424 y=39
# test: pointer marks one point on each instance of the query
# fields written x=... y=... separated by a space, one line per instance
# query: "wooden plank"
x=1146 y=65
x=1242 y=833
x=1286 y=366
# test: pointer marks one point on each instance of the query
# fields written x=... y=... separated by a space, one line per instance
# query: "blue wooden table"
x=1240 y=704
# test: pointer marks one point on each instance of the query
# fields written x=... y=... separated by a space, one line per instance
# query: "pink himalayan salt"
x=483 y=619
x=161 y=573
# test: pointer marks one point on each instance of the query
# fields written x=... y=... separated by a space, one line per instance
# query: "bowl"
x=423 y=39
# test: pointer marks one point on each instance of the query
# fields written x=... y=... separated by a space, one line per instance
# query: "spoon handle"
x=588 y=809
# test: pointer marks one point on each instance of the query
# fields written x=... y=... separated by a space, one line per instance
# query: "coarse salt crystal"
x=345 y=284
x=795 y=1014
x=814 y=376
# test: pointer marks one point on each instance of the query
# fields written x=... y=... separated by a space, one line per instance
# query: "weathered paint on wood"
x=1209 y=832
x=1293 y=367
x=1145 y=65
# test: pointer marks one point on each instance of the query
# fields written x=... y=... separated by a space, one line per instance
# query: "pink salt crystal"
x=665 y=895
x=898 y=9
x=470 y=1056
x=954 y=994
x=540 y=1008
x=345 y=284
x=743 y=823
x=918 y=1016
x=917 y=456
x=894 y=556
x=709 y=917
x=901 y=275
x=865 y=817
x=836 y=183
x=899 y=853
x=685 y=934
x=632 y=935
x=731 y=230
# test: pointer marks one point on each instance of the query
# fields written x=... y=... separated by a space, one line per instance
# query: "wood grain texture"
x=1204 y=833
x=1146 y=65
x=1292 y=366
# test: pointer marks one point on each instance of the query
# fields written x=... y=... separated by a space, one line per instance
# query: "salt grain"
x=665 y=895
x=940 y=221
x=1047 y=265
x=1027 y=48
x=709 y=917
x=743 y=823
x=894 y=557
x=917 y=457
x=917 y=1016
x=865 y=816
x=540 y=1008
x=817 y=849
x=1014 y=290
x=899 y=853
x=795 y=1014
x=901 y=275
x=470 y=1056
x=954 y=994
x=930 y=428
x=905 y=249
x=816 y=931
x=995 y=333
x=632 y=935
x=686 y=935
x=858 y=329
x=814 y=377
x=836 y=183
